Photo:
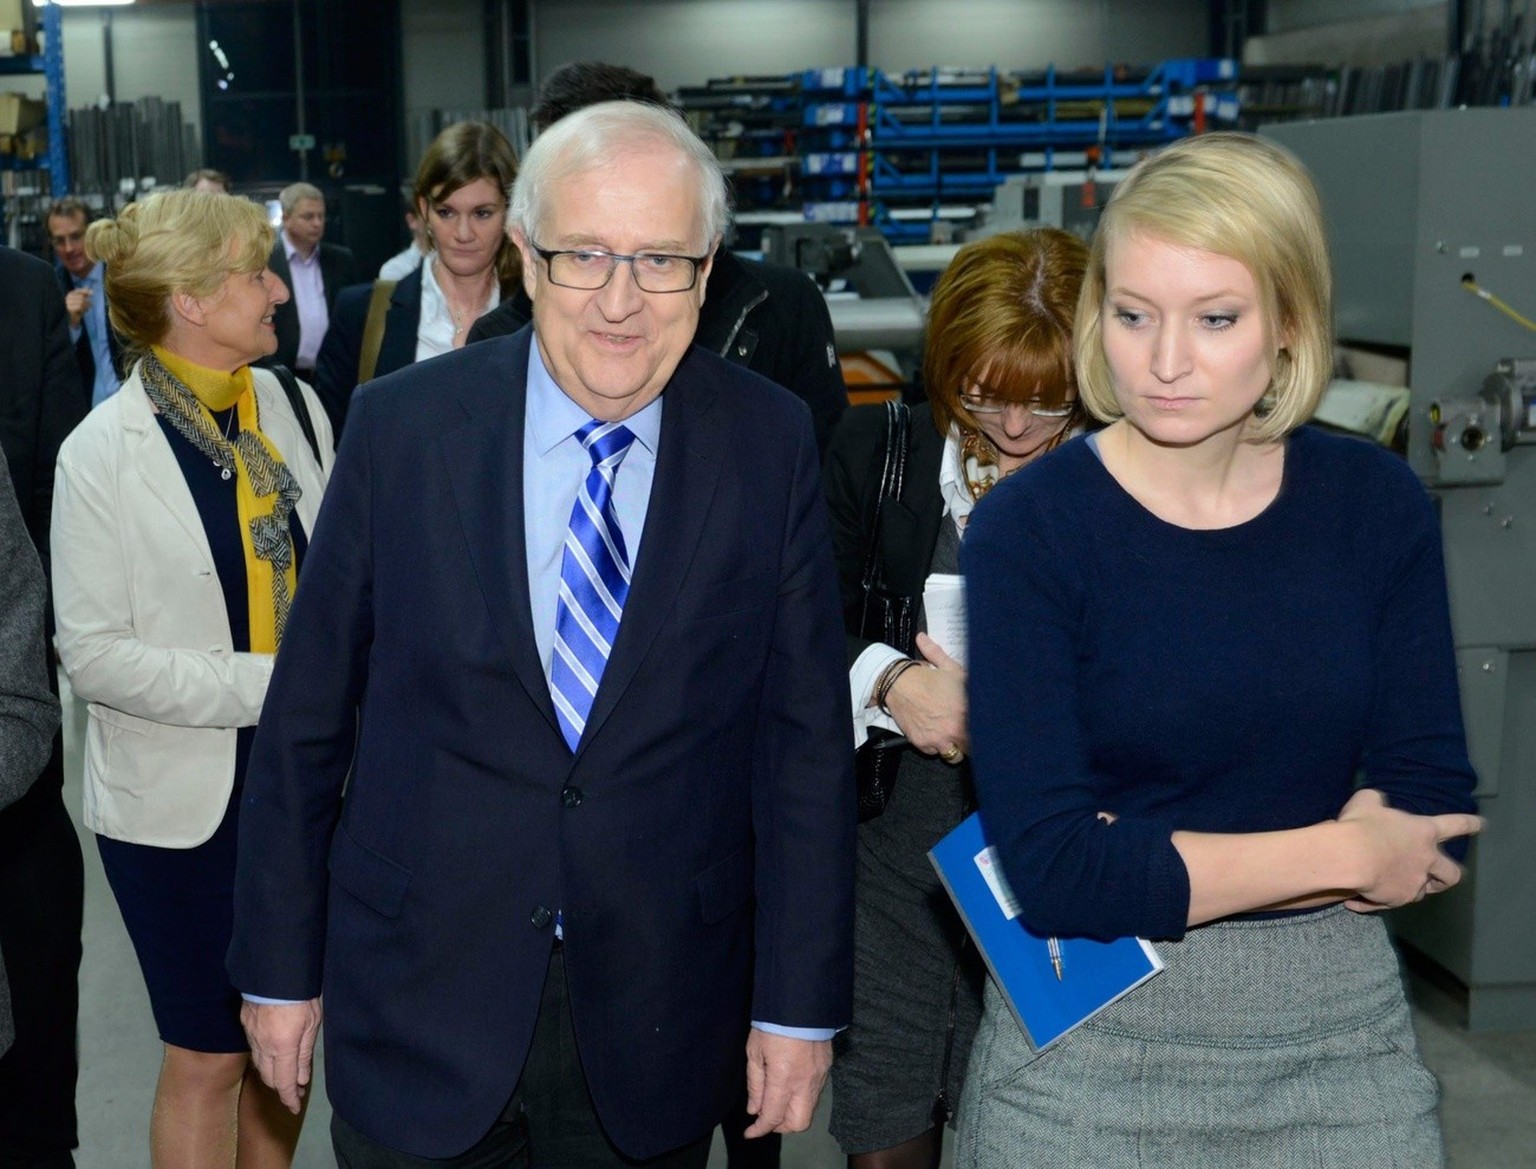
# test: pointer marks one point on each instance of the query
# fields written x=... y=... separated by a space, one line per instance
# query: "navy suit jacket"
x=699 y=842
x=336 y=367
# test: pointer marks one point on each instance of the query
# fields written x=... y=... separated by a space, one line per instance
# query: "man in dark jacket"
x=314 y=272
x=82 y=280
x=768 y=317
x=42 y=881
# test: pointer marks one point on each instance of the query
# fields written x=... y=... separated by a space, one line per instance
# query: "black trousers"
x=42 y=889
x=549 y=1122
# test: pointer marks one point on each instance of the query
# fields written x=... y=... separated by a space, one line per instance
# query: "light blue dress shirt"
x=95 y=325
x=555 y=465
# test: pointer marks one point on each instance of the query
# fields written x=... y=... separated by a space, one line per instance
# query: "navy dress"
x=178 y=903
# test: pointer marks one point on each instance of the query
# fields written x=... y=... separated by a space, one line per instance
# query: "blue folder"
x=1093 y=974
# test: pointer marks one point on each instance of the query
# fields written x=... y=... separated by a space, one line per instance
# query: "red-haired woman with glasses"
x=1002 y=390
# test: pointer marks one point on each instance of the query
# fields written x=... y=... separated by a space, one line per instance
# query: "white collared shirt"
x=434 y=333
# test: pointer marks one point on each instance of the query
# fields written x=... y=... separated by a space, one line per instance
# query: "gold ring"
x=953 y=755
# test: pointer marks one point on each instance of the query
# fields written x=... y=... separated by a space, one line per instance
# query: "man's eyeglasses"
x=589 y=269
x=980 y=405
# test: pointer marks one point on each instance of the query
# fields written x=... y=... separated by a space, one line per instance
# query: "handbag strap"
x=373 y=329
x=893 y=474
x=300 y=408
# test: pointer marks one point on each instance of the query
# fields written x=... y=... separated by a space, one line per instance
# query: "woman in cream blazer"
x=146 y=642
x=181 y=514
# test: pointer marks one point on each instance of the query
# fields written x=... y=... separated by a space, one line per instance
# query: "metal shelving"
x=857 y=145
x=27 y=188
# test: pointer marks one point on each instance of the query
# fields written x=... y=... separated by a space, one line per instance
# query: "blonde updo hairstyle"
x=175 y=241
x=1240 y=196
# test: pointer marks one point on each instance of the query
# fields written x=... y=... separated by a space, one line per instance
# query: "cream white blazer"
x=143 y=630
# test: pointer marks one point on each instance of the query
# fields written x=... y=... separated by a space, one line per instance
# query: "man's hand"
x=76 y=301
x=784 y=1080
x=282 y=1039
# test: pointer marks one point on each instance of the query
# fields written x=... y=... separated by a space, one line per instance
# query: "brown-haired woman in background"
x=205 y=178
x=180 y=517
x=461 y=192
x=999 y=376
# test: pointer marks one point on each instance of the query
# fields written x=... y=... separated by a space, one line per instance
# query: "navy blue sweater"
x=1234 y=680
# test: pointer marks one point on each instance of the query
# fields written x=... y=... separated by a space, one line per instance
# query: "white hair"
x=588 y=137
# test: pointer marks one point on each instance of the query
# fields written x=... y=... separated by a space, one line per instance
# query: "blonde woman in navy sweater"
x=1235 y=616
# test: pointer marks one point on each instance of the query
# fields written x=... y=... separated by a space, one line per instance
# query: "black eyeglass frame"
x=616 y=258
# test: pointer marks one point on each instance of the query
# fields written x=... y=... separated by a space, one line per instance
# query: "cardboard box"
x=19 y=113
x=13 y=20
x=18 y=28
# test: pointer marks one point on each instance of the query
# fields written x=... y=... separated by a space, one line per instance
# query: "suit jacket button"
x=540 y=917
x=570 y=797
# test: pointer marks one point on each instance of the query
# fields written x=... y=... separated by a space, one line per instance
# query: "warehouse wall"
x=443 y=58
x=685 y=42
x=1364 y=33
x=154 y=54
x=681 y=42
x=906 y=34
x=1289 y=15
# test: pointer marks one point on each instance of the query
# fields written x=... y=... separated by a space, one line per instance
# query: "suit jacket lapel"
x=401 y=322
x=485 y=467
x=682 y=493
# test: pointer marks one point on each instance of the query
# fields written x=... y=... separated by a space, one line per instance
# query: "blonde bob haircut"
x=175 y=241
x=1000 y=319
x=1240 y=196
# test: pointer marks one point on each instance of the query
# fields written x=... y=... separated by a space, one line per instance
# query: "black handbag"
x=886 y=618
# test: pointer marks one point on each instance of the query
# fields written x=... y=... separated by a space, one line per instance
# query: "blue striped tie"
x=594 y=582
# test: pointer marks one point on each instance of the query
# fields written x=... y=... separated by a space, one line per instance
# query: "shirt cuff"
x=861 y=687
x=261 y=1001
x=814 y=1034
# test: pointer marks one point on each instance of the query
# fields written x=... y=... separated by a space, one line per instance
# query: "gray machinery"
x=1070 y=200
x=1432 y=218
x=869 y=294
x=877 y=307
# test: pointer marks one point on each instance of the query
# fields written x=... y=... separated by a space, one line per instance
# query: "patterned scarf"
x=265 y=489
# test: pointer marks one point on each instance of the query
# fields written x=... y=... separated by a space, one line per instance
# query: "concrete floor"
x=1488 y=1080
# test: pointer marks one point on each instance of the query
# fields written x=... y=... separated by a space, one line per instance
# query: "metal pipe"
x=298 y=87
x=110 y=76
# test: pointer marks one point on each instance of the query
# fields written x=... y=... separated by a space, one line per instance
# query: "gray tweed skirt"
x=1264 y=1044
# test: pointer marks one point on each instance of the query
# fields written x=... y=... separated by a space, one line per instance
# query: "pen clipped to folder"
x=1030 y=968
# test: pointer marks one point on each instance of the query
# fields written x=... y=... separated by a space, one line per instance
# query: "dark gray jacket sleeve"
x=29 y=713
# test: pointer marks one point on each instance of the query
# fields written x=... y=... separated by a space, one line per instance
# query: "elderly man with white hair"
x=551 y=801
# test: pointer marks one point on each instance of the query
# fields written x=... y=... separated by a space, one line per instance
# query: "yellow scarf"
x=216 y=391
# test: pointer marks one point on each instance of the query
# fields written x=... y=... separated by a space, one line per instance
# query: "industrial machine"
x=872 y=302
x=868 y=282
x=1432 y=219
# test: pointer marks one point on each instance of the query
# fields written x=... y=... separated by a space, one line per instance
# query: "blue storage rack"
x=51 y=65
x=861 y=143
x=938 y=134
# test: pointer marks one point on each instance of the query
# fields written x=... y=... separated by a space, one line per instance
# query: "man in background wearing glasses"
x=569 y=637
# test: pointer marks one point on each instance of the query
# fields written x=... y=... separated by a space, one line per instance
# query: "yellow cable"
x=1472 y=287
